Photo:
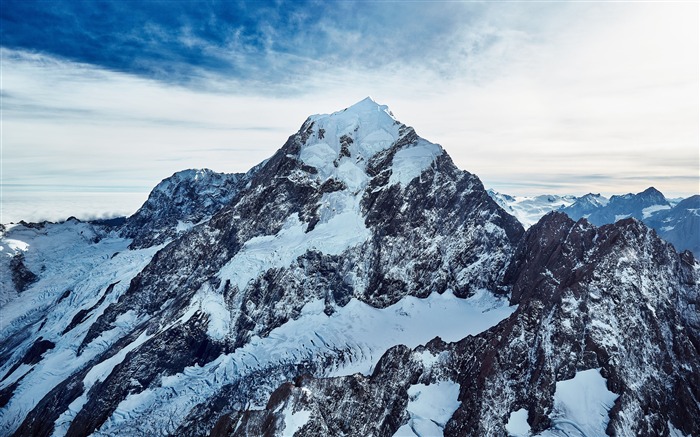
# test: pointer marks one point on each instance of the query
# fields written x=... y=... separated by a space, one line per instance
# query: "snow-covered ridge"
x=344 y=142
x=180 y=202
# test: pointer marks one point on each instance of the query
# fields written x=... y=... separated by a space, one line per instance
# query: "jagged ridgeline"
x=355 y=283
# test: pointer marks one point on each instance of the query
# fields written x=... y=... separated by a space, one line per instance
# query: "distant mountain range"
x=675 y=220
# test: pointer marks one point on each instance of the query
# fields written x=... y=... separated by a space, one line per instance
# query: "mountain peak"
x=178 y=202
x=652 y=192
x=341 y=145
x=368 y=103
x=363 y=109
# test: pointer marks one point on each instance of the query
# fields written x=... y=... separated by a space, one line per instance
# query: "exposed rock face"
x=179 y=202
x=614 y=298
x=22 y=277
x=306 y=297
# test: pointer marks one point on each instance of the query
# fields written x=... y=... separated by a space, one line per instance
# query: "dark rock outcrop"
x=22 y=277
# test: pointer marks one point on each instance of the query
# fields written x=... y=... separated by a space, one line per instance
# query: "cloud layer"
x=532 y=97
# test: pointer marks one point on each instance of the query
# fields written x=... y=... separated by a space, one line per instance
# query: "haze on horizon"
x=100 y=101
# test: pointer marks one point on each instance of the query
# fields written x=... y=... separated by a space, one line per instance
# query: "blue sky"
x=110 y=97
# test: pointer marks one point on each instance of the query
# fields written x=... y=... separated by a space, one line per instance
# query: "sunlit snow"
x=410 y=162
x=294 y=421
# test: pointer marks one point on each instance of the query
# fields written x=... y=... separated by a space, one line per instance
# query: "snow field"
x=294 y=421
x=411 y=162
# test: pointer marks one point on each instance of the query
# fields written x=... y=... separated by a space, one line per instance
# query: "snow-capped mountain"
x=586 y=205
x=569 y=360
x=529 y=210
x=355 y=283
x=680 y=225
x=599 y=212
x=675 y=220
x=677 y=223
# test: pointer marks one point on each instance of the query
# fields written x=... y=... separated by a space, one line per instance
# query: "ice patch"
x=318 y=155
x=183 y=226
x=15 y=246
x=621 y=216
x=375 y=142
x=294 y=421
x=428 y=359
x=213 y=304
x=354 y=177
x=430 y=407
x=581 y=404
x=517 y=425
x=405 y=431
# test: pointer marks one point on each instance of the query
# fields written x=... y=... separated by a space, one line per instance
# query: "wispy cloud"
x=264 y=46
